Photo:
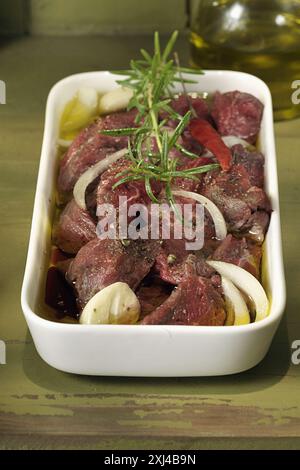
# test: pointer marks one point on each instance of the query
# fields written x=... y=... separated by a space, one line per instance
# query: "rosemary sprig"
x=152 y=80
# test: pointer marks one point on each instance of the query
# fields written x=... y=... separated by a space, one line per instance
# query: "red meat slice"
x=174 y=261
x=256 y=226
x=253 y=163
x=186 y=163
x=102 y=262
x=194 y=302
x=240 y=252
x=152 y=294
x=183 y=103
x=134 y=191
x=237 y=113
x=74 y=229
x=90 y=146
x=235 y=195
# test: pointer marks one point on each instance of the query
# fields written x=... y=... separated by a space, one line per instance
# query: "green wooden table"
x=43 y=408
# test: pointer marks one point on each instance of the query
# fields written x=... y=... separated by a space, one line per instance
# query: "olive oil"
x=258 y=37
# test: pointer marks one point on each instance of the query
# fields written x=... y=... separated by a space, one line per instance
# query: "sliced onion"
x=92 y=173
x=214 y=211
x=231 y=140
x=207 y=154
x=236 y=301
x=247 y=283
x=115 y=100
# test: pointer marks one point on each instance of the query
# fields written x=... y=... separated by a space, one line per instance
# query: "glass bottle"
x=261 y=37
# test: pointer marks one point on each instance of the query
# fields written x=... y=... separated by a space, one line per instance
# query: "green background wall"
x=105 y=16
x=12 y=16
x=76 y=17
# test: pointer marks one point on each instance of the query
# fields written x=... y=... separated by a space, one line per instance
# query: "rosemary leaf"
x=119 y=132
x=179 y=129
x=152 y=79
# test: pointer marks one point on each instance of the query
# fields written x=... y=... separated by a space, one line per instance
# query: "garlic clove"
x=115 y=100
x=115 y=304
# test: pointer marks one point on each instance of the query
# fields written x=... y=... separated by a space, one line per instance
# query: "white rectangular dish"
x=144 y=350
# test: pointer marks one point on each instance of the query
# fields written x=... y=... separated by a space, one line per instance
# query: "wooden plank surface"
x=41 y=407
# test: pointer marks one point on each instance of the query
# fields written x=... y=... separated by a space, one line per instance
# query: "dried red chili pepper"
x=202 y=131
